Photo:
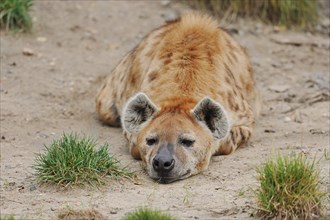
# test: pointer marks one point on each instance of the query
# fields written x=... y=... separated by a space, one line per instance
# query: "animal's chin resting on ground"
x=184 y=94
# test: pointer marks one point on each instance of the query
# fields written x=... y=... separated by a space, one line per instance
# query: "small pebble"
x=41 y=39
x=33 y=188
x=287 y=119
x=170 y=15
x=165 y=3
x=269 y=131
x=27 y=52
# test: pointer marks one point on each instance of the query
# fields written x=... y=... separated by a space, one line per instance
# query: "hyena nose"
x=163 y=164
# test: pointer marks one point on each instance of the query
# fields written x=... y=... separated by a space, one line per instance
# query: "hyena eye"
x=151 y=141
x=187 y=142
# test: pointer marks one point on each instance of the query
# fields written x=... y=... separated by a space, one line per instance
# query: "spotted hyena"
x=185 y=93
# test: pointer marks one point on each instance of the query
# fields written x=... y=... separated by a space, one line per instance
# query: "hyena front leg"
x=106 y=105
x=238 y=136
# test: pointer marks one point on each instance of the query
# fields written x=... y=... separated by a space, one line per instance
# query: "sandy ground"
x=74 y=45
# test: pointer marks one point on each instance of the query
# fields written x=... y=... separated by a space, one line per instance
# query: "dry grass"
x=90 y=214
x=289 y=13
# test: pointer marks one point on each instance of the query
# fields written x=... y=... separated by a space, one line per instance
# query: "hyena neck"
x=177 y=103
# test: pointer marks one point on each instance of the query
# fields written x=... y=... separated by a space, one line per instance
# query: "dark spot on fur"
x=98 y=105
x=227 y=80
x=249 y=87
x=133 y=78
x=152 y=76
x=167 y=61
x=241 y=132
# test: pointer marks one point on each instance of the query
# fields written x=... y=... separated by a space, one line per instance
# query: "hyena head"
x=173 y=143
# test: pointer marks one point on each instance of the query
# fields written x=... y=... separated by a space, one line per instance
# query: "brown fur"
x=176 y=66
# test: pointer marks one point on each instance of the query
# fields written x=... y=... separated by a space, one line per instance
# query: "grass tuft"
x=289 y=13
x=15 y=14
x=75 y=161
x=10 y=217
x=69 y=214
x=147 y=214
x=289 y=189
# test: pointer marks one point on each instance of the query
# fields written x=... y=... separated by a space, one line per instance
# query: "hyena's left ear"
x=213 y=116
x=138 y=110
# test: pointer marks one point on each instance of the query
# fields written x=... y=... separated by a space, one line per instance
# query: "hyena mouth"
x=168 y=179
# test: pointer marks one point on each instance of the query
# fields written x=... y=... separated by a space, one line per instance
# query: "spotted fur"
x=170 y=72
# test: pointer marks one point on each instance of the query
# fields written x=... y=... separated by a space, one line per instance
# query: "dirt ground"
x=49 y=79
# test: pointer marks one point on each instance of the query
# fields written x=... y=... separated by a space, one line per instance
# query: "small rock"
x=287 y=119
x=27 y=52
x=269 y=131
x=21 y=188
x=113 y=212
x=170 y=15
x=165 y=3
x=325 y=22
x=41 y=39
x=52 y=209
x=279 y=88
x=33 y=188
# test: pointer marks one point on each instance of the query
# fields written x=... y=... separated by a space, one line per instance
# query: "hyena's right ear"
x=138 y=110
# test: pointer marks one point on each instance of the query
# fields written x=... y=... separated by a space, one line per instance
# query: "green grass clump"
x=289 y=13
x=10 y=217
x=289 y=188
x=73 y=160
x=147 y=214
x=15 y=14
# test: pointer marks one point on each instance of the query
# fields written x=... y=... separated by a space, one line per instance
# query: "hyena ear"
x=137 y=111
x=213 y=116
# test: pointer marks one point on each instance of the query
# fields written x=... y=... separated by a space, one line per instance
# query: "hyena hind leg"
x=106 y=106
x=237 y=137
